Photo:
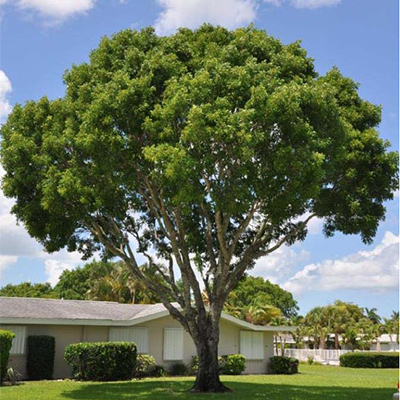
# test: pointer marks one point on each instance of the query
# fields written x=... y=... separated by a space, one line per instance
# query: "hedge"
x=233 y=364
x=284 y=365
x=40 y=357
x=370 y=360
x=104 y=361
x=6 y=338
x=145 y=365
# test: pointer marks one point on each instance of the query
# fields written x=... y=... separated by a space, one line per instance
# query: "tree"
x=372 y=315
x=317 y=322
x=209 y=149
x=27 y=289
x=74 y=284
x=257 y=292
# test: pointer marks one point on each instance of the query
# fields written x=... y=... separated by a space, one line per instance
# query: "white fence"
x=324 y=356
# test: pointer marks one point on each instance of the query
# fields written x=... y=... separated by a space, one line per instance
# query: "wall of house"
x=67 y=334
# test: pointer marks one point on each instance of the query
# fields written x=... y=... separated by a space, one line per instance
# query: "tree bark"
x=337 y=347
x=207 y=378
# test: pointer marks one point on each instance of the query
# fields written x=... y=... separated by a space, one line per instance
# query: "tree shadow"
x=165 y=389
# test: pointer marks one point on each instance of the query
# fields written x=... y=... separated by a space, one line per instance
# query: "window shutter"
x=257 y=345
x=252 y=345
x=173 y=344
x=137 y=335
x=245 y=344
x=18 y=343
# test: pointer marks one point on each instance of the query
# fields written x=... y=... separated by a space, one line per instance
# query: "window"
x=18 y=344
x=137 y=335
x=252 y=345
x=173 y=344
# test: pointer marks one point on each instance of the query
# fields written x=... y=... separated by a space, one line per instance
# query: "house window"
x=173 y=344
x=137 y=335
x=18 y=343
x=252 y=345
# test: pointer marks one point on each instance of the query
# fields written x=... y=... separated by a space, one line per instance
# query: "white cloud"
x=304 y=3
x=53 y=11
x=56 y=264
x=192 y=13
x=375 y=270
x=5 y=90
x=314 y=3
x=279 y=264
x=6 y=261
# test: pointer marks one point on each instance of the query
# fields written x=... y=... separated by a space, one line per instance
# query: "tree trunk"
x=207 y=378
x=337 y=347
x=322 y=343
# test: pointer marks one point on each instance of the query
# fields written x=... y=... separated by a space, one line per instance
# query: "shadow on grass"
x=155 y=390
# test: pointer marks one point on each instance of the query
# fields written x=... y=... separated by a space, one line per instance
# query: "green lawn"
x=312 y=383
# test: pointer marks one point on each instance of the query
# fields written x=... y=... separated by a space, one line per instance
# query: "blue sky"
x=41 y=39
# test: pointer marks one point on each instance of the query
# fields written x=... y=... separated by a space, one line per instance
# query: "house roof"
x=23 y=310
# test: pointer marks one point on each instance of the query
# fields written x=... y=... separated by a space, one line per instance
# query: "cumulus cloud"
x=5 y=262
x=304 y=3
x=53 y=11
x=314 y=3
x=5 y=90
x=279 y=264
x=375 y=270
x=56 y=264
x=192 y=13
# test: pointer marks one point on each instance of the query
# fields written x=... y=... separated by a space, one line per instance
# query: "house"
x=150 y=326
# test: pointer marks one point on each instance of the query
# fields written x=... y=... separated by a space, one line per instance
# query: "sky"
x=41 y=39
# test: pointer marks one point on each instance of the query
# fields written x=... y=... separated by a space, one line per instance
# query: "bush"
x=233 y=364
x=310 y=360
x=6 y=338
x=370 y=360
x=40 y=357
x=144 y=366
x=195 y=364
x=284 y=365
x=106 y=361
x=178 y=369
x=158 y=371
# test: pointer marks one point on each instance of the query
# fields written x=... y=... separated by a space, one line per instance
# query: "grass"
x=312 y=383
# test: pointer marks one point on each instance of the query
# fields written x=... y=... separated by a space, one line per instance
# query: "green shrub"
x=106 y=361
x=40 y=357
x=195 y=364
x=158 y=371
x=6 y=338
x=178 y=369
x=310 y=360
x=284 y=365
x=144 y=366
x=233 y=364
x=370 y=360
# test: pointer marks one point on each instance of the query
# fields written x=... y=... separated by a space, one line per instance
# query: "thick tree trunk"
x=207 y=378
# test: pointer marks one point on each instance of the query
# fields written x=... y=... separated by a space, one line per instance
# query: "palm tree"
x=317 y=322
x=280 y=321
x=262 y=314
x=372 y=315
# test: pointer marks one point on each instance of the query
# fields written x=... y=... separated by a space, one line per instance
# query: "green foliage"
x=169 y=108
x=28 y=289
x=6 y=338
x=310 y=360
x=74 y=284
x=195 y=363
x=158 y=371
x=260 y=294
x=370 y=360
x=178 y=369
x=233 y=364
x=108 y=361
x=40 y=357
x=145 y=365
x=283 y=365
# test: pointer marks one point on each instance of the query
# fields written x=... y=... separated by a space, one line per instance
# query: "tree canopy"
x=259 y=293
x=28 y=289
x=208 y=149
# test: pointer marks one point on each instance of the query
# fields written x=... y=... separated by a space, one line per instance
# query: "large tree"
x=208 y=149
